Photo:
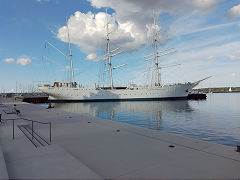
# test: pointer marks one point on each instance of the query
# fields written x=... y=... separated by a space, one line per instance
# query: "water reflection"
x=217 y=119
x=146 y=114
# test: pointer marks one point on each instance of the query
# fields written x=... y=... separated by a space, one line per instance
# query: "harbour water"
x=216 y=119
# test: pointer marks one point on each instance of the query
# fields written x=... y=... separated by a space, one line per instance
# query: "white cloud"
x=9 y=60
x=88 y=31
x=42 y=0
x=140 y=12
x=129 y=23
x=144 y=7
x=217 y=51
x=194 y=24
x=235 y=55
x=23 y=61
x=91 y=56
x=195 y=65
x=234 y=12
x=212 y=58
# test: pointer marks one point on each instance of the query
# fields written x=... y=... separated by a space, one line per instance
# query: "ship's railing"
x=44 y=85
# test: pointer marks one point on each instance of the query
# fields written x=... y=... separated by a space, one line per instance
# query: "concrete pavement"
x=92 y=148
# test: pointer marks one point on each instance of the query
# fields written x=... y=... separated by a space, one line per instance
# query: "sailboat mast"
x=155 y=51
x=109 y=62
x=70 y=56
x=109 y=55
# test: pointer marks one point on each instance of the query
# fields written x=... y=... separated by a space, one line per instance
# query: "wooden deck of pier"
x=89 y=148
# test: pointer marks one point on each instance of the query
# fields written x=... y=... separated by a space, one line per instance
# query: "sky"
x=204 y=33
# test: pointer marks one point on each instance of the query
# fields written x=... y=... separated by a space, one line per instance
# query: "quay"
x=35 y=100
x=26 y=97
x=41 y=143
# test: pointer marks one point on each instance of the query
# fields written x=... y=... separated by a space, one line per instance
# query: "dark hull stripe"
x=112 y=100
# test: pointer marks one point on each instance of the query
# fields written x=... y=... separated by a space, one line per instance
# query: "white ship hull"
x=176 y=91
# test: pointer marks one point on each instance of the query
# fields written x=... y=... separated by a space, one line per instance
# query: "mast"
x=109 y=54
x=156 y=54
x=156 y=51
x=70 y=56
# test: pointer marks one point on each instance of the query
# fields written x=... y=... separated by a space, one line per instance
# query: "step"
x=9 y=111
x=36 y=139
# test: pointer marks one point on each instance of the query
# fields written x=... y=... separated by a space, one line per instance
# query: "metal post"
x=109 y=53
x=0 y=118
x=70 y=55
x=155 y=51
x=13 y=129
x=32 y=130
x=50 y=135
x=238 y=148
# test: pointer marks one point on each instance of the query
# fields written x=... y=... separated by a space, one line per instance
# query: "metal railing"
x=32 y=123
x=32 y=127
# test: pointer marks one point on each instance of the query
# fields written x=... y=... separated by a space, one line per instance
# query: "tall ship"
x=70 y=91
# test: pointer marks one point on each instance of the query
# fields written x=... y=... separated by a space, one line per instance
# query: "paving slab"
x=24 y=161
x=115 y=154
x=50 y=162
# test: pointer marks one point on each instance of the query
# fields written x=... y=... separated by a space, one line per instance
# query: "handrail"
x=33 y=121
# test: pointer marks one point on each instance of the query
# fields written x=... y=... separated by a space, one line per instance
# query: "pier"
x=33 y=99
x=83 y=147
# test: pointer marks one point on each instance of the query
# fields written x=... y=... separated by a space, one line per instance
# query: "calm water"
x=217 y=119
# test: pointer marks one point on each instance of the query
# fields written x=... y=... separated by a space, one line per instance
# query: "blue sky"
x=205 y=34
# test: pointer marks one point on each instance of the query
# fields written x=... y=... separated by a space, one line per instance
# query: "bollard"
x=238 y=148
x=0 y=118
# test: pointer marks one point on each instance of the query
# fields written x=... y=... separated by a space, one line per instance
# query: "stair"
x=36 y=139
x=8 y=111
